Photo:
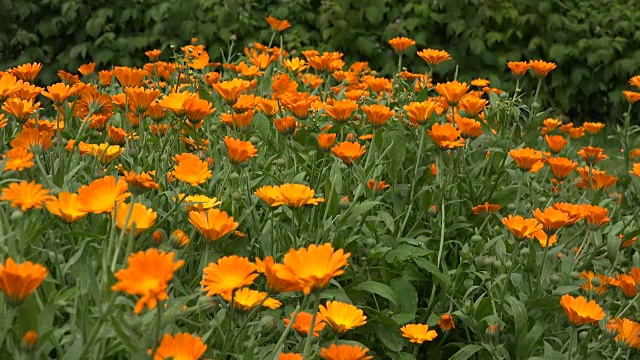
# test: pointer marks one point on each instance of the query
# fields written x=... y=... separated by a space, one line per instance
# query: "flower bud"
x=29 y=341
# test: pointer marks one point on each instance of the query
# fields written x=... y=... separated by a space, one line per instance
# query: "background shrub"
x=596 y=46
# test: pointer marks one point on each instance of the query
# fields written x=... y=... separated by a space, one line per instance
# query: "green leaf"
x=406 y=294
x=565 y=289
x=466 y=352
x=377 y=288
x=432 y=269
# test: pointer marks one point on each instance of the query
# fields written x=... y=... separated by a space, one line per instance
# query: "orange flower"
x=278 y=25
x=445 y=136
x=312 y=267
x=592 y=155
x=626 y=283
x=472 y=105
x=551 y=219
x=276 y=283
x=418 y=333
x=480 y=82
x=527 y=159
x=593 y=127
x=544 y=239
x=520 y=227
x=595 y=216
x=139 y=183
x=212 y=224
x=269 y=194
x=228 y=274
x=27 y=72
x=58 y=93
x=268 y=106
x=302 y=323
x=434 y=57
x=420 y=112
x=128 y=76
x=378 y=115
x=296 y=196
x=105 y=77
x=130 y=215
x=87 y=69
x=66 y=206
x=542 y=68
x=93 y=102
x=628 y=333
x=182 y=346
x=632 y=96
x=299 y=103
x=635 y=81
x=452 y=91
x=195 y=56
x=153 y=55
x=20 y=109
x=246 y=299
x=401 y=44
x=581 y=312
x=378 y=186
x=599 y=179
x=99 y=196
x=290 y=356
x=286 y=125
x=179 y=238
x=17 y=281
x=519 y=68
x=18 y=158
x=239 y=151
x=140 y=99
x=342 y=317
x=485 y=208
x=341 y=110
x=348 y=151
x=295 y=65
x=246 y=102
x=326 y=141
x=469 y=128
x=175 y=102
x=344 y=352
x=556 y=143
x=446 y=322
x=231 y=90
x=191 y=169
x=136 y=279
x=196 y=109
x=561 y=167
x=25 y=195
x=574 y=212
x=105 y=153
x=9 y=84
x=635 y=171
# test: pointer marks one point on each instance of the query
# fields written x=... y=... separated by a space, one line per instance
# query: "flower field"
x=284 y=204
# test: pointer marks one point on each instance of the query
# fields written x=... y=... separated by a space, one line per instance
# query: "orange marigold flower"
x=139 y=183
x=542 y=68
x=446 y=322
x=472 y=105
x=212 y=224
x=175 y=102
x=182 y=346
x=544 y=239
x=433 y=57
x=378 y=115
x=445 y=136
x=599 y=179
x=198 y=202
x=17 y=281
x=595 y=216
x=469 y=128
x=418 y=333
x=20 y=109
x=480 y=82
x=240 y=151
x=299 y=103
x=99 y=196
x=452 y=91
x=520 y=227
x=556 y=143
x=179 y=238
x=551 y=219
x=275 y=283
x=86 y=69
x=592 y=155
x=231 y=90
x=290 y=356
x=66 y=206
x=519 y=68
x=246 y=299
x=228 y=274
x=58 y=93
x=140 y=99
x=348 y=151
x=527 y=159
x=286 y=125
x=626 y=283
x=574 y=212
x=268 y=106
x=269 y=194
x=136 y=279
x=635 y=81
x=302 y=323
x=191 y=169
x=295 y=65
x=378 y=186
x=593 y=127
x=342 y=317
x=312 y=267
x=28 y=92
x=341 y=110
x=27 y=72
x=18 y=158
x=128 y=76
x=278 y=25
x=153 y=55
x=401 y=44
x=296 y=196
x=485 y=208
x=581 y=312
x=105 y=153
x=561 y=167
x=25 y=195
x=345 y=352
x=246 y=102
x=628 y=333
x=130 y=215
x=9 y=84
x=420 y=112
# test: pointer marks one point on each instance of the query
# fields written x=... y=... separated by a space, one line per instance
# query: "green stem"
x=413 y=184
x=283 y=337
x=307 y=345
x=156 y=338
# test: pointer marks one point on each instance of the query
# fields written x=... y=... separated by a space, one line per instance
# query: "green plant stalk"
x=520 y=186
x=90 y=343
x=114 y=261
x=413 y=183
x=307 y=344
x=442 y=198
x=283 y=337
x=156 y=337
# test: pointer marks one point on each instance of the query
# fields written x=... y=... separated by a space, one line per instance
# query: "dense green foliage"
x=596 y=47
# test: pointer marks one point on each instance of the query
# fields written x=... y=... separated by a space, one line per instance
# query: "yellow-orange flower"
x=58 y=93
x=445 y=136
x=312 y=267
x=342 y=317
x=9 y=84
x=326 y=141
x=228 y=274
x=433 y=57
x=239 y=151
x=528 y=159
x=420 y=112
x=212 y=224
x=599 y=179
x=246 y=299
x=636 y=170
x=302 y=323
x=452 y=91
x=544 y=239
x=632 y=96
x=138 y=215
x=25 y=195
x=595 y=216
x=626 y=283
x=140 y=99
x=446 y=322
x=348 y=151
x=278 y=25
x=296 y=196
x=518 y=68
x=105 y=153
x=341 y=110
x=191 y=169
x=27 y=72
x=418 y=333
x=593 y=127
x=175 y=102
x=139 y=183
x=17 y=281
x=66 y=206
x=472 y=105
x=18 y=159
x=561 y=167
x=551 y=219
x=198 y=202
x=286 y=125
x=542 y=68
x=485 y=208
x=182 y=346
x=128 y=76
x=231 y=90
x=378 y=115
x=99 y=196
x=592 y=155
x=136 y=279
x=628 y=333
x=344 y=352
x=401 y=44
x=581 y=312
x=556 y=143
x=276 y=283
x=469 y=128
x=20 y=109
x=574 y=212
x=520 y=227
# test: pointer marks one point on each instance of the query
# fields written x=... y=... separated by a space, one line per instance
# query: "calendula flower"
x=105 y=153
x=433 y=57
x=276 y=284
x=542 y=68
x=18 y=159
x=136 y=279
x=581 y=312
x=212 y=224
x=246 y=102
x=66 y=206
x=377 y=115
x=519 y=68
x=17 y=281
x=99 y=196
x=198 y=202
x=544 y=239
x=452 y=91
x=58 y=93
x=626 y=283
x=240 y=151
x=302 y=323
x=191 y=169
x=592 y=155
x=445 y=136
x=286 y=125
x=342 y=317
x=290 y=356
x=9 y=84
x=25 y=195
x=561 y=167
x=446 y=322
x=593 y=127
x=278 y=25
x=228 y=274
x=20 y=109
x=485 y=208
x=128 y=76
x=140 y=98
x=420 y=112
x=175 y=102
x=574 y=212
x=636 y=170
x=632 y=96
x=27 y=72
x=296 y=196
x=377 y=185
x=595 y=216
x=418 y=333
x=556 y=143
x=181 y=346
x=231 y=90
x=520 y=227
x=246 y=299
x=551 y=219
x=469 y=128
x=401 y=44
x=269 y=194
x=341 y=110
x=348 y=151
x=138 y=215
x=344 y=352
x=472 y=105
x=326 y=141
x=140 y=183
x=528 y=160
x=599 y=179
x=312 y=267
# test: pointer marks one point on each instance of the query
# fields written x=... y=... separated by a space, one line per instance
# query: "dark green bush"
x=594 y=42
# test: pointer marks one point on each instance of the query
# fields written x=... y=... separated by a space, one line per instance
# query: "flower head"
x=231 y=90
x=99 y=196
x=302 y=323
x=542 y=68
x=342 y=317
x=296 y=196
x=17 y=281
x=212 y=224
x=485 y=208
x=592 y=155
x=278 y=25
x=25 y=195
x=445 y=136
x=446 y=322
x=326 y=141
x=341 y=110
x=520 y=227
x=518 y=68
x=551 y=219
x=556 y=143
x=228 y=274
x=191 y=169
x=452 y=91
x=182 y=346
x=348 y=151
x=433 y=57
x=401 y=44
x=138 y=215
x=420 y=112
x=528 y=159
x=344 y=352
x=66 y=206
x=18 y=158
x=581 y=312
x=418 y=333
x=240 y=151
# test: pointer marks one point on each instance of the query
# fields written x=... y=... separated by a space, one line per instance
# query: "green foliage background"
x=595 y=42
